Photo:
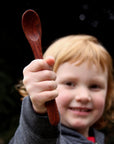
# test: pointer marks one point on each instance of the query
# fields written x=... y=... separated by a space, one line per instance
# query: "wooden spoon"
x=32 y=29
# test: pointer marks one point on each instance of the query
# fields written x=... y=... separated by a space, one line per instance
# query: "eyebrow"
x=72 y=78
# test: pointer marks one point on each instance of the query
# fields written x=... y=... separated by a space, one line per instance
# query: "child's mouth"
x=80 y=110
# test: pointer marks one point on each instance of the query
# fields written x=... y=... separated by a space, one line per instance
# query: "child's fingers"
x=37 y=65
x=40 y=64
x=50 y=60
x=44 y=75
x=45 y=86
x=41 y=98
x=40 y=87
x=33 y=77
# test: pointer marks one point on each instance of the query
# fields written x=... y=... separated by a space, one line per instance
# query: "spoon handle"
x=36 y=49
x=32 y=29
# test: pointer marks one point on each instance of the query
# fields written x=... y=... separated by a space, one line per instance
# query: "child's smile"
x=82 y=93
x=81 y=111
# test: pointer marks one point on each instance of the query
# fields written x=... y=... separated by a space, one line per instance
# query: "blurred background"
x=58 y=19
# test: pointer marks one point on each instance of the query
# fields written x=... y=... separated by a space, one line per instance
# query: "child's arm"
x=34 y=127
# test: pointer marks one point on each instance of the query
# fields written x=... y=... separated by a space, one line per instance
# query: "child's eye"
x=95 y=86
x=70 y=84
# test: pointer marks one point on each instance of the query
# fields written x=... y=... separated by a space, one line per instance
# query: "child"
x=79 y=76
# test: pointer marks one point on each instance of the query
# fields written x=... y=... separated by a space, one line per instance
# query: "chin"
x=79 y=125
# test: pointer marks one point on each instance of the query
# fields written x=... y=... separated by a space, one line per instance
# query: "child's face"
x=82 y=93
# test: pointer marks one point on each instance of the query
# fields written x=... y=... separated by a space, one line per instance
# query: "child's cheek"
x=100 y=105
x=63 y=100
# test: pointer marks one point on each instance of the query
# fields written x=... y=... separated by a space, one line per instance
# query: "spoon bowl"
x=32 y=28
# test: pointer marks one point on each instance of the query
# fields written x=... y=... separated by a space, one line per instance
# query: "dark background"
x=58 y=19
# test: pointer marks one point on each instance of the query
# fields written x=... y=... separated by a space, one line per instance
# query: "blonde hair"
x=85 y=48
x=82 y=48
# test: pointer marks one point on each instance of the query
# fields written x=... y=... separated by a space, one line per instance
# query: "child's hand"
x=39 y=81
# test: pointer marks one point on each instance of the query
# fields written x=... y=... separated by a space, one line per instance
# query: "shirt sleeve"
x=34 y=128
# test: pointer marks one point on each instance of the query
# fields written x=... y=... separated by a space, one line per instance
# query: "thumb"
x=50 y=60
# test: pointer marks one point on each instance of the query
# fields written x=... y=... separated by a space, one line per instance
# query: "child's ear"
x=50 y=60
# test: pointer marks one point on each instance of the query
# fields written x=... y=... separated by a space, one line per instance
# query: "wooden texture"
x=32 y=29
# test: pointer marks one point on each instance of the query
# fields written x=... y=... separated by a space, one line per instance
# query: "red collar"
x=91 y=139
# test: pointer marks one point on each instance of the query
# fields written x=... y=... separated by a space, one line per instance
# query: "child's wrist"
x=41 y=110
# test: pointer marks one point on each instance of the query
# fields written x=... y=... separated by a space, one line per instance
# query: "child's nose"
x=83 y=95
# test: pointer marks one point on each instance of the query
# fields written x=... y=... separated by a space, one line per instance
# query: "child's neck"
x=84 y=132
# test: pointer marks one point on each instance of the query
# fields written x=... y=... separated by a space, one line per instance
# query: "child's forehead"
x=90 y=65
x=83 y=70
